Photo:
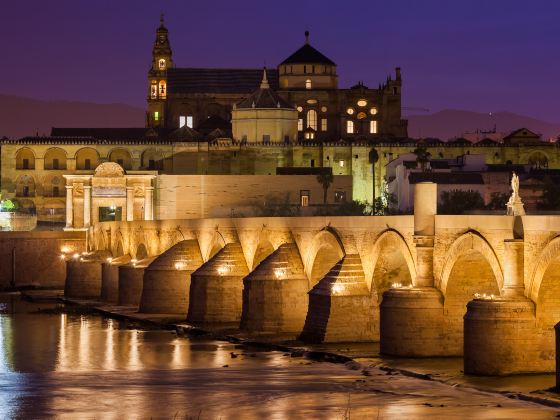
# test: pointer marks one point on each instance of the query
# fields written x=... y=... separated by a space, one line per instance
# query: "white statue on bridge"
x=515 y=205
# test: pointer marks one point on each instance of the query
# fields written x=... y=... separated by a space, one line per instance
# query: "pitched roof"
x=308 y=54
x=264 y=97
x=212 y=123
x=185 y=134
x=195 y=80
x=523 y=132
x=446 y=177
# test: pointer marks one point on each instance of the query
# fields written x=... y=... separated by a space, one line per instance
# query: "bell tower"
x=157 y=77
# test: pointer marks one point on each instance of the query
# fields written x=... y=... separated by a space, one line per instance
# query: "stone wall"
x=37 y=257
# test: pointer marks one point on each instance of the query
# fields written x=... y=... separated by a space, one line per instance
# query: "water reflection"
x=84 y=366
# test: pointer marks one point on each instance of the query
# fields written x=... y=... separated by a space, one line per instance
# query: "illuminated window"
x=323 y=124
x=309 y=136
x=373 y=127
x=312 y=101
x=161 y=64
x=300 y=124
x=182 y=121
x=350 y=111
x=156 y=116
x=341 y=163
x=350 y=127
x=308 y=84
x=304 y=198
x=362 y=102
x=339 y=196
x=153 y=90
x=373 y=111
x=300 y=109
x=190 y=121
x=361 y=115
x=162 y=89
x=324 y=109
x=312 y=119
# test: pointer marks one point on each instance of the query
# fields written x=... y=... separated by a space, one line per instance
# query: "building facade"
x=203 y=99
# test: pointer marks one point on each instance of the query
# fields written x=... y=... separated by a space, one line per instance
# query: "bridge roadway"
x=485 y=287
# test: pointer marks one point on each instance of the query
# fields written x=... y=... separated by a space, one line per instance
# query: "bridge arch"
x=392 y=262
x=471 y=266
x=264 y=249
x=470 y=243
x=548 y=256
x=326 y=250
x=216 y=243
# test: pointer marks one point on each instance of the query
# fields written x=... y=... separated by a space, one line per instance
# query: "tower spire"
x=307 y=37
x=264 y=82
x=161 y=19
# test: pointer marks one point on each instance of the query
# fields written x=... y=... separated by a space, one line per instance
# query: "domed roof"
x=307 y=54
x=264 y=97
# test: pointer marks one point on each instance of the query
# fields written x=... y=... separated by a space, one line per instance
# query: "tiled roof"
x=264 y=97
x=195 y=80
x=308 y=54
x=109 y=133
x=446 y=177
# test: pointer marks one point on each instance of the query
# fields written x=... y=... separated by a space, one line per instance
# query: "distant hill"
x=21 y=117
x=452 y=123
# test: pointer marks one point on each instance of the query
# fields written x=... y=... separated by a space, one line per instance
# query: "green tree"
x=422 y=157
x=498 y=201
x=325 y=179
x=550 y=198
x=385 y=205
x=460 y=202
x=348 y=208
x=373 y=158
x=275 y=206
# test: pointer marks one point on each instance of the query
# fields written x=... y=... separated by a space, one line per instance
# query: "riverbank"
x=361 y=357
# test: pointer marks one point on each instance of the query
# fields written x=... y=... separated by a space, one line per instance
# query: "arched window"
x=350 y=127
x=25 y=186
x=25 y=159
x=55 y=159
x=152 y=160
x=312 y=119
x=122 y=157
x=87 y=159
x=373 y=127
x=308 y=84
x=153 y=90
x=53 y=186
x=162 y=89
x=538 y=160
x=161 y=64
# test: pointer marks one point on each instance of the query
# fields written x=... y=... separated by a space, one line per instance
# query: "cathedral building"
x=204 y=99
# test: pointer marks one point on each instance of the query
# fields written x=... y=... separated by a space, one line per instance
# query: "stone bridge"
x=485 y=287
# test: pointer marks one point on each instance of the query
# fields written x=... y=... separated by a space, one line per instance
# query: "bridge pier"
x=275 y=296
x=340 y=306
x=110 y=278
x=167 y=280
x=412 y=319
x=83 y=275
x=131 y=281
x=500 y=333
x=216 y=293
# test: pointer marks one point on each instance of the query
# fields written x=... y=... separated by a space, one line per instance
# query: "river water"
x=75 y=366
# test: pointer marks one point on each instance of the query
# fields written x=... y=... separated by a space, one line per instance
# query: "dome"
x=264 y=97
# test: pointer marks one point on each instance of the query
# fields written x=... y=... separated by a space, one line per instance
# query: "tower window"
x=373 y=127
x=182 y=121
x=161 y=64
x=190 y=121
x=300 y=124
x=312 y=119
x=308 y=84
x=350 y=127
x=156 y=116
x=162 y=89
x=153 y=91
x=323 y=124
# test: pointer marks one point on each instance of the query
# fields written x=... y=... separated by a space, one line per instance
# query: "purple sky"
x=480 y=55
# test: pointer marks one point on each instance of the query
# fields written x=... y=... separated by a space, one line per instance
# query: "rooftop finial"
x=161 y=18
x=307 y=37
x=264 y=82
